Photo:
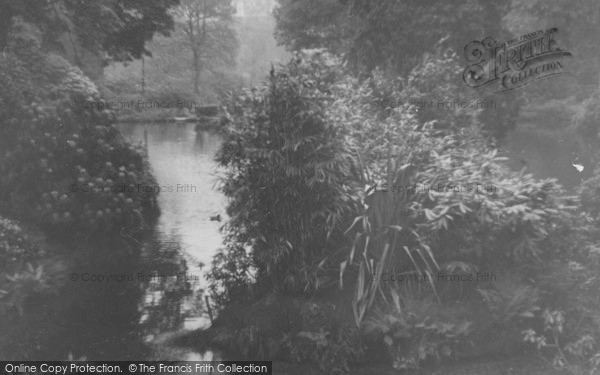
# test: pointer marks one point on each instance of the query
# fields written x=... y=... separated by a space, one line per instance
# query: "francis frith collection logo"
x=516 y=62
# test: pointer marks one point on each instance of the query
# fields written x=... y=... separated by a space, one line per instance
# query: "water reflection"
x=182 y=161
x=181 y=158
x=101 y=318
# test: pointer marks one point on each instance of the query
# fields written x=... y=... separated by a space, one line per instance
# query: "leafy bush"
x=418 y=329
x=433 y=198
x=509 y=301
x=333 y=353
x=29 y=275
x=568 y=331
x=279 y=327
x=554 y=323
x=15 y=246
x=53 y=148
x=391 y=190
x=286 y=173
x=331 y=345
x=22 y=272
x=230 y=276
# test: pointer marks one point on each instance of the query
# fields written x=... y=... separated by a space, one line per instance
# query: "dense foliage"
x=118 y=29
x=65 y=167
x=286 y=166
x=402 y=192
x=397 y=36
x=22 y=275
x=385 y=33
x=75 y=191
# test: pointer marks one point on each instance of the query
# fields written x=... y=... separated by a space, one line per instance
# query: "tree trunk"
x=196 y=73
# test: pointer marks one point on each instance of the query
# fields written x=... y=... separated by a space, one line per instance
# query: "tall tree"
x=389 y=34
x=396 y=36
x=312 y=24
x=207 y=26
x=118 y=29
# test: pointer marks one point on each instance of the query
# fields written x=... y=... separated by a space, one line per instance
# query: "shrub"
x=15 y=246
x=231 y=275
x=568 y=330
x=279 y=327
x=418 y=329
x=53 y=148
x=332 y=352
x=389 y=190
x=287 y=173
x=433 y=198
x=23 y=273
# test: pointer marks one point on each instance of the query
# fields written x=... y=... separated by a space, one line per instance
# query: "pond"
x=182 y=160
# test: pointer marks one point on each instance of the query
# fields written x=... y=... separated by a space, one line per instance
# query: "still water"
x=182 y=160
x=126 y=309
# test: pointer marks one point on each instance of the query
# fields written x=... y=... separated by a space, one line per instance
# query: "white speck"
x=579 y=167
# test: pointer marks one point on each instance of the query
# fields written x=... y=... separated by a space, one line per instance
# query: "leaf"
x=351 y=256
x=411 y=258
x=378 y=273
x=342 y=269
x=356 y=219
x=396 y=299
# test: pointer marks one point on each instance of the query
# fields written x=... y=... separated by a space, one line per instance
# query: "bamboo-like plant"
x=287 y=171
x=388 y=237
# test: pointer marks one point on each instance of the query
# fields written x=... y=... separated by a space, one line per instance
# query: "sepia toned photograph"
x=300 y=187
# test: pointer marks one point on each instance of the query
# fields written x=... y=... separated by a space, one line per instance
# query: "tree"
x=396 y=36
x=258 y=45
x=311 y=24
x=116 y=29
x=207 y=26
x=559 y=117
x=388 y=34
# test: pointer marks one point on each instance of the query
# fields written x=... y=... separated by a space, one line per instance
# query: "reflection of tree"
x=106 y=320
x=164 y=295
x=100 y=320
x=207 y=143
x=168 y=133
x=200 y=140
